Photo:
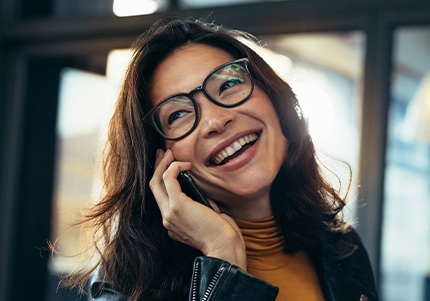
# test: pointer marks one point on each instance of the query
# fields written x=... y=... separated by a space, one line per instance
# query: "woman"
x=275 y=231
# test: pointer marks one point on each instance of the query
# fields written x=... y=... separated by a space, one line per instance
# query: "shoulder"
x=345 y=243
x=101 y=289
x=345 y=264
x=347 y=247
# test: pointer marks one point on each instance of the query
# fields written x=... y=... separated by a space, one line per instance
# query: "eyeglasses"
x=228 y=86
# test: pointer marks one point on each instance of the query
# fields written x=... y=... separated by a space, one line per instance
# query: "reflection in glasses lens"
x=227 y=86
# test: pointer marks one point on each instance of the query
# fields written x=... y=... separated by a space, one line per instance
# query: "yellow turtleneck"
x=294 y=274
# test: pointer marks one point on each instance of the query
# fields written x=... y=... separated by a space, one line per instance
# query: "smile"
x=234 y=149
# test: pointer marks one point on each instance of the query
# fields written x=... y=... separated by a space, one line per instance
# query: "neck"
x=248 y=209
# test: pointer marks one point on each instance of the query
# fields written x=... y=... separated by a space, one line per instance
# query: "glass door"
x=405 y=246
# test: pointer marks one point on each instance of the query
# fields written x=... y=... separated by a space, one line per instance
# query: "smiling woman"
x=276 y=230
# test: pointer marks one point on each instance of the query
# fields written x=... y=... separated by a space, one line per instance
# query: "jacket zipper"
x=210 y=286
x=195 y=276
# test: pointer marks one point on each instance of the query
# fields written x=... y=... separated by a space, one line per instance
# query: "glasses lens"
x=230 y=84
x=175 y=116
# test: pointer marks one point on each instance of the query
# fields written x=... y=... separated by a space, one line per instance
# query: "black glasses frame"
x=150 y=118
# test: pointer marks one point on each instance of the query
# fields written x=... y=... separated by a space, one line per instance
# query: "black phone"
x=190 y=188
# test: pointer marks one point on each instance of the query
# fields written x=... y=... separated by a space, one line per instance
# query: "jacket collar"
x=344 y=269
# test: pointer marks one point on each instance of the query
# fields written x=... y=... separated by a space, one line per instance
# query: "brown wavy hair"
x=136 y=253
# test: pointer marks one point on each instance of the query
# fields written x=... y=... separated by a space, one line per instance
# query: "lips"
x=234 y=149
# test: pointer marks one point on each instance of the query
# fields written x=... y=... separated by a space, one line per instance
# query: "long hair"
x=136 y=253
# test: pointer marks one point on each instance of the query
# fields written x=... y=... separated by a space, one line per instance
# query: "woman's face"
x=245 y=177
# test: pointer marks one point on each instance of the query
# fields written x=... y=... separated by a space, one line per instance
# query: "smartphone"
x=190 y=188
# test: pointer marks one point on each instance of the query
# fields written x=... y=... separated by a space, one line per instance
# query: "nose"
x=214 y=118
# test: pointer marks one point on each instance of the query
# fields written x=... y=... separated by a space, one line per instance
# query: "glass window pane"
x=405 y=260
x=86 y=103
x=325 y=70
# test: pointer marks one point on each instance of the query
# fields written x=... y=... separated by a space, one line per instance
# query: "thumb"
x=214 y=205
x=232 y=222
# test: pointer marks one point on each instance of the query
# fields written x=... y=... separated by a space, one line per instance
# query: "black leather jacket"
x=342 y=265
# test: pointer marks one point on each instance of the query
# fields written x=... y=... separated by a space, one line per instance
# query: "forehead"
x=185 y=69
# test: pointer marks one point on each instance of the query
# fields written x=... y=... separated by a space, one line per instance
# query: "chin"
x=247 y=190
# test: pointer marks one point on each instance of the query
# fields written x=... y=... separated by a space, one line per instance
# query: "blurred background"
x=360 y=68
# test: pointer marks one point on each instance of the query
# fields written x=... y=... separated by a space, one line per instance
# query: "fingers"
x=164 y=160
x=156 y=184
x=190 y=222
x=164 y=184
x=214 y=206
x=177 y=210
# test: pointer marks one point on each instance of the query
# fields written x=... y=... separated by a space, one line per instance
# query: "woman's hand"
x=191 y=223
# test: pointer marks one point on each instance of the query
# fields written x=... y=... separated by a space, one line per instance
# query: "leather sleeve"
x=213 y=280
x=217 y=280
x=101 y=290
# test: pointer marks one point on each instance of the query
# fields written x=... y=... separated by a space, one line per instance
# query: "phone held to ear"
x=190 y=188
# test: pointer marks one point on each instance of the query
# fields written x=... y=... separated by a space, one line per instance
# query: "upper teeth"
x=234 y=147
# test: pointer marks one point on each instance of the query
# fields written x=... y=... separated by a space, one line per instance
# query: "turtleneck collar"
x=262 y=237
x=294 y=274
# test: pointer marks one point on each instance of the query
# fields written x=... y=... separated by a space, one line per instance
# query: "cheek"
x=169 y=144
x=182 y=150
x=283 y=150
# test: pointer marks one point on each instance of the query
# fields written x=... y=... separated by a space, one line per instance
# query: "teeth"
x=234 y=147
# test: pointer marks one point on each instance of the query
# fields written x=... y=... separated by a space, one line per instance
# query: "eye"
x=228 y=84
x=175 y=116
